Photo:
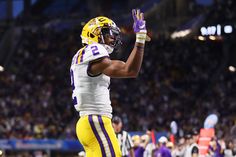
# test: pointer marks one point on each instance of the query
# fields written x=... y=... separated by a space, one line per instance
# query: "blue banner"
x=62 y=145
x=53 y=144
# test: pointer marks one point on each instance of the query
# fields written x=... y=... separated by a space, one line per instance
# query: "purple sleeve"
x=165 y=152
x=139 y=152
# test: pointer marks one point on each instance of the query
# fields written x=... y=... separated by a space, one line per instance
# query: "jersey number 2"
x=94 y=50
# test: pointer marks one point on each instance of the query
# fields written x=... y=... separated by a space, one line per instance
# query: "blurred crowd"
x=183 y=80
x=179 y=80
x=35 y=90
x=183 y=147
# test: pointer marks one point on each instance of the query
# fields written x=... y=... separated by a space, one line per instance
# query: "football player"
x=91 y=70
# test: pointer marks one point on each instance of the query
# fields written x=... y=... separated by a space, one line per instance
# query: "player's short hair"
x=116 y=120
x=194 y=132
x=188 y=136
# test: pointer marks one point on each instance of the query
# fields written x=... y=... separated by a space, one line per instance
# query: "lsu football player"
x=91 y=70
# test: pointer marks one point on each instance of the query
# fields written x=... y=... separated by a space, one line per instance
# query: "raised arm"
x=130 y=68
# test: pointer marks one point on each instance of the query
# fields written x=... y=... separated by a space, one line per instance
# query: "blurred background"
x=188 y=71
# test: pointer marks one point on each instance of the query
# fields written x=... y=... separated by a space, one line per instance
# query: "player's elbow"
x=133 y=74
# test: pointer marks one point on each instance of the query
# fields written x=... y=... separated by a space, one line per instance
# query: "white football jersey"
x=90 y=93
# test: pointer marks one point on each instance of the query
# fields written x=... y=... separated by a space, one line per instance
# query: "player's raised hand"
x=139 y=25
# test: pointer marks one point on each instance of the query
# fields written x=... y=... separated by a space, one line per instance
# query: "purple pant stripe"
x=97 y=136
x=107 y=137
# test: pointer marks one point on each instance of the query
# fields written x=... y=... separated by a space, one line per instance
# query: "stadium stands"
x=174 y=79
x=183 y=80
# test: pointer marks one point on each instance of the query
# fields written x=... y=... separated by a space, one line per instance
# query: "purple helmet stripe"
x=106 y=135
x=97 y=135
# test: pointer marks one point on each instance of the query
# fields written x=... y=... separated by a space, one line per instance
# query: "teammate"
x=140 y=143
x=91 y=70
x=162 y=150
x=125 y=141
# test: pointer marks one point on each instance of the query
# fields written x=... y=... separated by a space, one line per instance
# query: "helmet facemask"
x=111 y=36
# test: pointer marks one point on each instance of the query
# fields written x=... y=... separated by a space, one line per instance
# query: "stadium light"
x=216 y=30
x=1 y=68
x=212 y=37
x=228 y=29
x=1 y=152
x=201 y=38
x=180 y=34
x=232 y=68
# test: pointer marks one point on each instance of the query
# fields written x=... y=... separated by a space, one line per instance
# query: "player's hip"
x=95 y=132
x=93 y=122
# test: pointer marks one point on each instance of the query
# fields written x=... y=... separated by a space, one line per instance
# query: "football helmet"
x=100 y=28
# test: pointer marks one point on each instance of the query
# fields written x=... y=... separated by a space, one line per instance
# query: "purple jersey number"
x=94 y=50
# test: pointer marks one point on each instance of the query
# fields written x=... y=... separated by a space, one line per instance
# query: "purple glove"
x=139 y=22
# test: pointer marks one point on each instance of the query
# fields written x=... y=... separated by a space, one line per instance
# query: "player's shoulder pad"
x=94 y=52
x=97 y=49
